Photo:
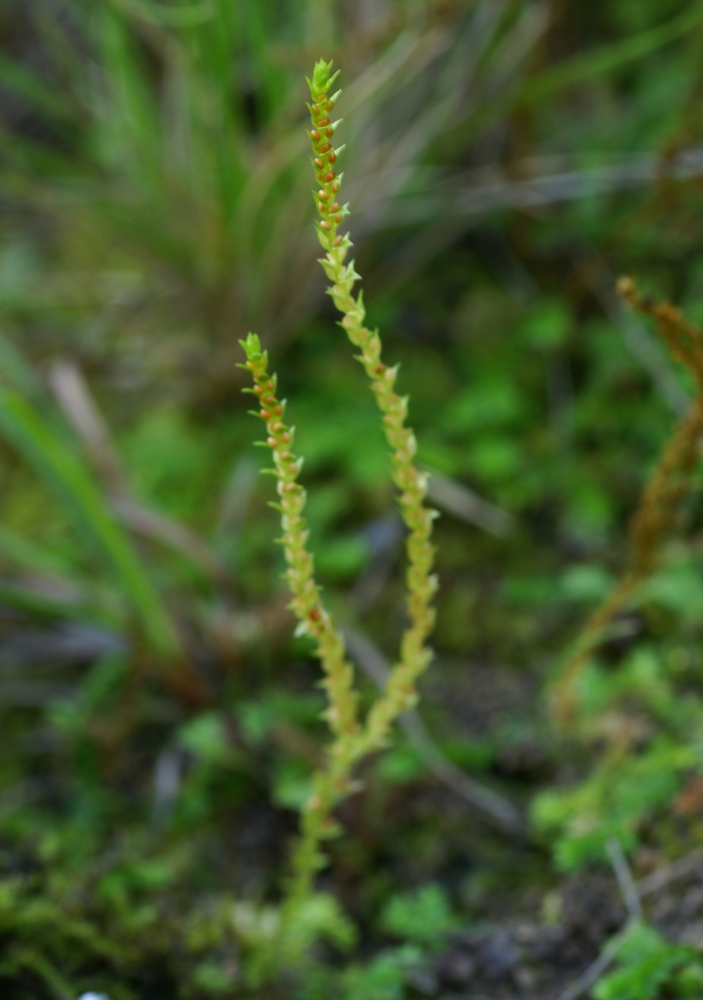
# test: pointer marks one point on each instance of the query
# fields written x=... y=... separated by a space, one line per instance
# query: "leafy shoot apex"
x=321 y=79
x=252 y=345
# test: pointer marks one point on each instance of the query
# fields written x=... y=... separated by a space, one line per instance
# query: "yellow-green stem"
x=351 y=741
x=415 y=655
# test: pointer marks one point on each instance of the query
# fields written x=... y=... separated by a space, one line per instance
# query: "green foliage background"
x=505 y=163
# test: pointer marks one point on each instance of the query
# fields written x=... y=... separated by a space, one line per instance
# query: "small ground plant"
x=175 y=766
x=352 y=738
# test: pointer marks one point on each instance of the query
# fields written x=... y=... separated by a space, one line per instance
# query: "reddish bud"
x=337 y=241
x=334 y=207
x=321 y=99
x=325 y=225
x=322 y=195
x=271 y=442
x=324 y=147
x=329 y=177
x=314 y=615
x=265 y=414
x=319 y=163
x=322 y=122
x=258 y=390
x=315 y=111
x=277 y=427
x=332 y=157
x=321 y=207
x=329 y=132
x=278 y=410
x=315 y=135
x=250 y=366
x=329 y=106
x=335 y=187
x=380 y=369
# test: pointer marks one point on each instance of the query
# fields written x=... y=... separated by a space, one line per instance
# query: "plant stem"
x=415 y=655
x=351 y=740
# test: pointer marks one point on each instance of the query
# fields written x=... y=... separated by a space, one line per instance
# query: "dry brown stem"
x=658 y=512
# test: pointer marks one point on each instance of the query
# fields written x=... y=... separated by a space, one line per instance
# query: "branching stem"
x=351 y=739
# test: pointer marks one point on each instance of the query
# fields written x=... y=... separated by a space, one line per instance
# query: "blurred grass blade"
x=17 y=374
x=68 y=478
x=187 y=16
x=42 y=582
x=26 y=85
x=612 y=57
x=25 y=154
x=33 y=601
x=132 y=130
x=29 y=555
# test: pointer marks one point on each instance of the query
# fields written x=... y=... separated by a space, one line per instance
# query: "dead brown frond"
x=658 y=512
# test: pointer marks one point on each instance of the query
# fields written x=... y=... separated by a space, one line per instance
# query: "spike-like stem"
x=659 y=507
x=400 y=693
x=313 y=617
x=351 y=741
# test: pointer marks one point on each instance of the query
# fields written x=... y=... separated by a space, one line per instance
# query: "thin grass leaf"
x=29 y=555
x=27 y=155
x=31 y=89
x=131 y=121
x=67 y=477
x=33 y=602
x=612 y=57
x=188 y=16
x=17 y=374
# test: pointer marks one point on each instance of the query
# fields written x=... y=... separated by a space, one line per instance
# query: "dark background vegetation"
x=505 y=162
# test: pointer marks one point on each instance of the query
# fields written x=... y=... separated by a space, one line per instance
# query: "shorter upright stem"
x=313 y=618
x=332 y=782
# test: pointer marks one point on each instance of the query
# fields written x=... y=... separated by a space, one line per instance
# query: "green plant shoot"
x=352 y=738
